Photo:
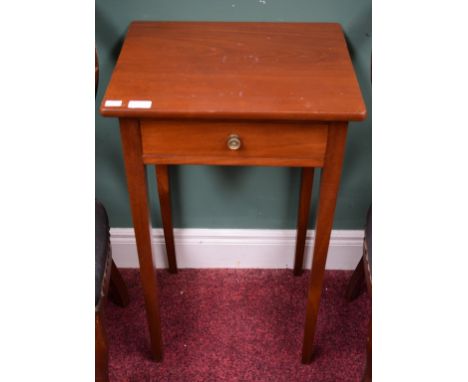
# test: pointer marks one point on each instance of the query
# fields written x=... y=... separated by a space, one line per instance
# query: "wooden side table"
x=247 y=94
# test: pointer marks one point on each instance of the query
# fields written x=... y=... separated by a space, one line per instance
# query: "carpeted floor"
x=238 y=325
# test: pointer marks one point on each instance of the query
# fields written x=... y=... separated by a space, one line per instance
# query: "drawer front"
x=234 y=143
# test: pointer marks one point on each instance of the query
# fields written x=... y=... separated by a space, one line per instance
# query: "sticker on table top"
x=113 y=103
x=139 y=104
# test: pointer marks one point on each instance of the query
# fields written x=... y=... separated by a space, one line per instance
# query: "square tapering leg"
x=329 y=184
x=162 y=176
x=307 y=179
x=138 y=194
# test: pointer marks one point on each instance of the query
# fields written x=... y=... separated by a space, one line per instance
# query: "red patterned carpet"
x=238 y=325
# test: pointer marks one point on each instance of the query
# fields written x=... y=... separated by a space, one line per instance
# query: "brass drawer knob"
x=234 y=142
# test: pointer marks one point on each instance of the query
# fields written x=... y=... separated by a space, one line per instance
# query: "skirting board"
x=237 y=248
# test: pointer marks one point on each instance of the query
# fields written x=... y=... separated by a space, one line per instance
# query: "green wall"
x=234 y=197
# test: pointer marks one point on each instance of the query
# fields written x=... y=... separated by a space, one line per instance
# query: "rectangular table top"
x=234 y=70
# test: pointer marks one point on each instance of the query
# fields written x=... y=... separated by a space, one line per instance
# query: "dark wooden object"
x=269 y=94
x=361 y=276
x=114 y=287
x=118 y=290
x=356 y=282
x=101 y=350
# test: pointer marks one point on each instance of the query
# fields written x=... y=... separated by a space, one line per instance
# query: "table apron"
x=292 y=144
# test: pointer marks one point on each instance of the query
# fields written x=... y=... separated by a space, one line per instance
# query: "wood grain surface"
x=236 y=70
x=262 y=143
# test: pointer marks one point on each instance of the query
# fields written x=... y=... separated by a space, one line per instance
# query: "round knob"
x=234 y=142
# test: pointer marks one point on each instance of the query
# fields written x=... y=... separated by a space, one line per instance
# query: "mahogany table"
x=230 y=93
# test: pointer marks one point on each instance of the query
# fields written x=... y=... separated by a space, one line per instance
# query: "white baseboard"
x=237 y=248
